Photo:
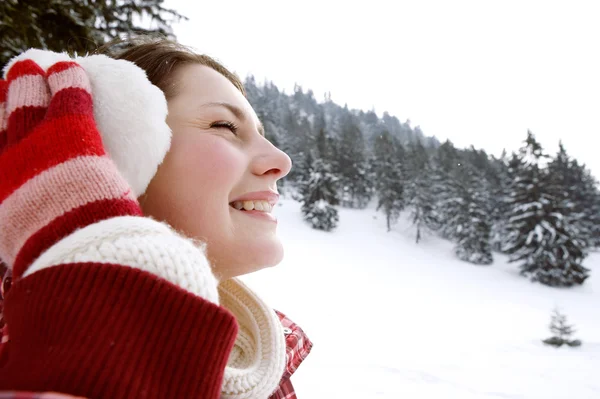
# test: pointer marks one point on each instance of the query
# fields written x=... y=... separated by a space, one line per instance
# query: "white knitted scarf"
x=258 y=358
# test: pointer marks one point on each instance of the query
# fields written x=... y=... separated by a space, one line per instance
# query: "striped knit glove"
x=55 y=176
x=61 y=194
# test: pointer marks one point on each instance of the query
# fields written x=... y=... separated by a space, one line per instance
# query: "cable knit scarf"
x=257 y=361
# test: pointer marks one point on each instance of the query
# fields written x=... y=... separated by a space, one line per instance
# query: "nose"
x=271 y=161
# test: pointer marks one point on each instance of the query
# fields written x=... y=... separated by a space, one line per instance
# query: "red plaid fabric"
x=298 y=347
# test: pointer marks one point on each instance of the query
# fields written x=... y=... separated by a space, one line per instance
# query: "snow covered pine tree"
x=389 y=179
x=540 y=234
x=319 y=193
x=469 y=221
x=351 y=165
x=419 y=197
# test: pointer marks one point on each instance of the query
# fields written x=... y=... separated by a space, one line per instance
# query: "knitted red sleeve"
x=113 y=332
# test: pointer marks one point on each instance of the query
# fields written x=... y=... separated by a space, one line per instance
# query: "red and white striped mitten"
x=55 y=176
x=63 y=197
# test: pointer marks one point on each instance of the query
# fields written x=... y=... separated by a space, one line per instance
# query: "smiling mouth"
x=258 y=206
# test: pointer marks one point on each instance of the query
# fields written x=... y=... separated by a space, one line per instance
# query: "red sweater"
x=103 y=335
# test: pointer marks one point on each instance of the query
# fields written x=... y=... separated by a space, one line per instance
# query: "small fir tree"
x=561 y=331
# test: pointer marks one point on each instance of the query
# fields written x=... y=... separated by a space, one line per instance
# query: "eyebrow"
x=237 y=112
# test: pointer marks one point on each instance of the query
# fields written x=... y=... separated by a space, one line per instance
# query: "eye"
x=225 y=125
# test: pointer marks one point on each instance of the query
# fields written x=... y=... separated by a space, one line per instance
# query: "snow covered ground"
x=392 y=319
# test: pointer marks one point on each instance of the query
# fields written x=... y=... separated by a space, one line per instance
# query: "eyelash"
x=225 y=125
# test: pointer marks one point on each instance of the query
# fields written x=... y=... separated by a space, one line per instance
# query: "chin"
x=259 y=256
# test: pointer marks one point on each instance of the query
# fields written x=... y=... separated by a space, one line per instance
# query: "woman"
x=113 y=294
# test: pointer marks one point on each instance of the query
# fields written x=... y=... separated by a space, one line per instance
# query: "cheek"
x=209 y=162
x=201 y=172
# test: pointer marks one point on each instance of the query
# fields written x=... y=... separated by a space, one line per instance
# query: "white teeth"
x=258 y=205
x=266 y=207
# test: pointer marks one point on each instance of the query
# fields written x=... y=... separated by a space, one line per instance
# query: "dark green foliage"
x=76 y=26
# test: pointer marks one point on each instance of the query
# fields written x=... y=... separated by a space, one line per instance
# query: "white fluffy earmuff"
x=130 y=113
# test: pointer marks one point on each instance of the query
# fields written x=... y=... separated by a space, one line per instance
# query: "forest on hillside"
x=541 y=208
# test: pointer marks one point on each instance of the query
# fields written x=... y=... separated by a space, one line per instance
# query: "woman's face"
x=218 y=157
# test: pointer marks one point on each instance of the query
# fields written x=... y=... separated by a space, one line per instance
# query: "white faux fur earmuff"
x=130 y=112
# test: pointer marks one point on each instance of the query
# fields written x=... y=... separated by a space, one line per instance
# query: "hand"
x=130 y=112
x=55 y=175
x=63 y=198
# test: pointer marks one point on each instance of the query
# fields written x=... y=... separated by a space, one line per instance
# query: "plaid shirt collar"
x=298 y=346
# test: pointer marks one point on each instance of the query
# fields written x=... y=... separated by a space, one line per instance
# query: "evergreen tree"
x=445 y=161
x=76 y=26
x=303 y=169
x=577 y=192
x=503 y=168
x=298 y=142
x=419 y=196
x=561 y=331
x=319 y=192
x=351 y=164
x=469 y=221
x=389 y=183
x=559 y=326
x=540 y=235
x=447 y=157
x=566 y=180
x=589 y=197
x=266 y=109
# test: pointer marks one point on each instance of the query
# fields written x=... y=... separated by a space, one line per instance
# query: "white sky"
x=476 y=72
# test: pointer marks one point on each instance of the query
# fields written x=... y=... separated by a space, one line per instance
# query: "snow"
x=393 y=319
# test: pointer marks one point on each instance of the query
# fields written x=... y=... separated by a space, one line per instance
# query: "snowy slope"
x=392 y=319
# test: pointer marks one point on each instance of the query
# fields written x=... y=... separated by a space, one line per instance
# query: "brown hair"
x=160 y=57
